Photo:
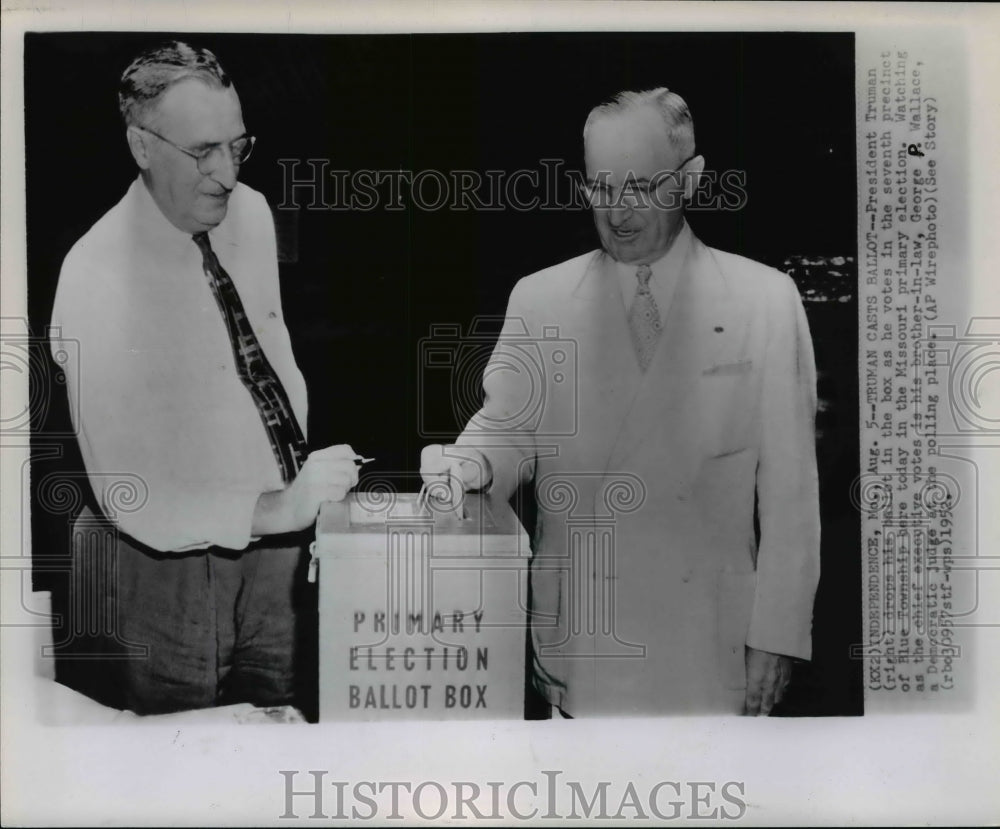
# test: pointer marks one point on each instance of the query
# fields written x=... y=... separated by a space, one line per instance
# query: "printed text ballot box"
x=421 y=609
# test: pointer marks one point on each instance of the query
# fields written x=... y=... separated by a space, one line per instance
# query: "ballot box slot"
x=366 y=510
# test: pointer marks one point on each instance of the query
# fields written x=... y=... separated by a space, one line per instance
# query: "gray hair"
x=153 y=72
x=671 y=107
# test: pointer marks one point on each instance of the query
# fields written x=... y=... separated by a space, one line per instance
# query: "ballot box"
x=422 y=608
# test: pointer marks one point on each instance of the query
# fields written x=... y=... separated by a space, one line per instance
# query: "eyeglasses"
x=633 y=193
x=209 y=158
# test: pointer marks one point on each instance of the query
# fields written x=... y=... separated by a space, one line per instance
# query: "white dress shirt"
x=664 y=278
x=155 y=397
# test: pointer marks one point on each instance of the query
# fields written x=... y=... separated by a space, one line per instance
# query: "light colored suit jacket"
x=647 y=577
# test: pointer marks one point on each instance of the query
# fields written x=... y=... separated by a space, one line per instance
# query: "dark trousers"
x=205 y=628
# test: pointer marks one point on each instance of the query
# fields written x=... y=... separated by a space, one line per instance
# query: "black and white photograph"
x=557 y=389
x=385 y=210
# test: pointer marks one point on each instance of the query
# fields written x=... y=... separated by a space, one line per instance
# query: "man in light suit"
x=691 y=415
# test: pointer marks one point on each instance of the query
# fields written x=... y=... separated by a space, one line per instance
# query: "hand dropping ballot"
x=422 y=602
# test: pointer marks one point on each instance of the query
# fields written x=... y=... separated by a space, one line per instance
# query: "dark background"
x=361 y=289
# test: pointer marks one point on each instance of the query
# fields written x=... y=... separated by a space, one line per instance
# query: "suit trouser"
x=193 y=630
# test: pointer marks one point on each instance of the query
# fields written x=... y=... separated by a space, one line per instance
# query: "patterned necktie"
x=254 y=370
x=644 y=319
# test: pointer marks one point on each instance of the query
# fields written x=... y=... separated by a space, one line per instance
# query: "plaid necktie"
x=644 y=319
x=255 y=371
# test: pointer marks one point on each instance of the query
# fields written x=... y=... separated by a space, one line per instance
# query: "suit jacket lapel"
x=608 y=367
x=609 y=375
x=699 y=329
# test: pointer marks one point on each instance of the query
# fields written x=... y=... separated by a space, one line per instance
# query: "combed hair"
x=153 y=72
x=671 y=107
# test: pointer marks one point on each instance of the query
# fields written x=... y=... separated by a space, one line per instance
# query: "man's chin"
x=624 y=250
x=213 y=217
x=624 y=253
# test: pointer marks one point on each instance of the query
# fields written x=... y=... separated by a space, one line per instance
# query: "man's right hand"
x=327 y=475
x=461 y=467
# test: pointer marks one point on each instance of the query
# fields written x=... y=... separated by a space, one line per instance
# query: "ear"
x=692 y=175
x=137 y=144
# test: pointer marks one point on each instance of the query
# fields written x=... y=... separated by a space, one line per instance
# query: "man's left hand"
x=767 y=677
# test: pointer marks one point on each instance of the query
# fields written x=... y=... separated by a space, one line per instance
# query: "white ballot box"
x=422 y=609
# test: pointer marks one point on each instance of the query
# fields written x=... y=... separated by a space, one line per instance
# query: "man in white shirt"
x=660 y=394
x=190 y=397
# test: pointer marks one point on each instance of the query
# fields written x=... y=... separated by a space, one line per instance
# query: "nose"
x=226 y=170
x=618 y=213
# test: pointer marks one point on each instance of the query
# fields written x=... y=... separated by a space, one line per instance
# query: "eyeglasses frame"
x=200 y=158
x=653 y=186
